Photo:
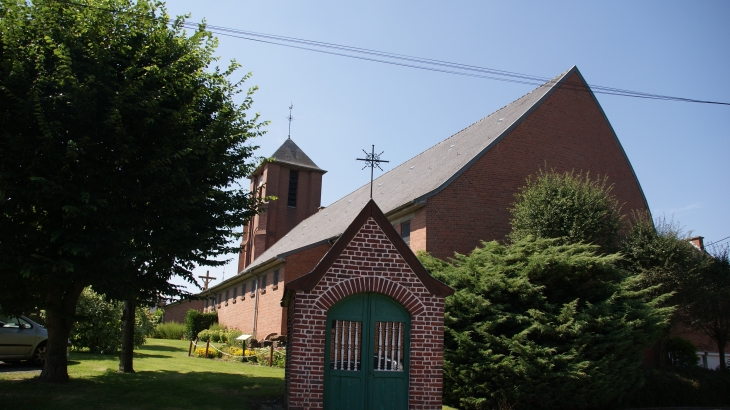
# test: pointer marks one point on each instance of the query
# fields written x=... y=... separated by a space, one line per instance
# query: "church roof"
x=417 y=179
x=289 y=153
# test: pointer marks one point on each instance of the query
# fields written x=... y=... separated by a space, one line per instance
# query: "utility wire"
x=401 y=60
x=716 y=242
x=422 y=63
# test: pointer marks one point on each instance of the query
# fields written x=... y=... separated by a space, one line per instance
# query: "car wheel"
x=39 y=355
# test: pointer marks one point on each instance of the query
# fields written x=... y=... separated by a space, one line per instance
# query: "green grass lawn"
x=165 y=378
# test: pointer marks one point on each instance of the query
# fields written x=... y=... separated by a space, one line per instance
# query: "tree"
x=541 y=324
x=704 y=304
x=659 y=253
x=568 y=206
x=119 y=155
x=99 y=324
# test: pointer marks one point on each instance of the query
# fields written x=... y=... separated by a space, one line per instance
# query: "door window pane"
x=388 y=353
x=346 y=345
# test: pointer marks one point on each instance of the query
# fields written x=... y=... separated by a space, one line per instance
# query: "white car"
x=23 y=339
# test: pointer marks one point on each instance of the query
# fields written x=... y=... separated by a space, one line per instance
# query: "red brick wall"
x=702 y=342
x=237 y=313
x=566 y=132
x=279 y=218
x=370 y=263
x=298 y=265
x=176 y=312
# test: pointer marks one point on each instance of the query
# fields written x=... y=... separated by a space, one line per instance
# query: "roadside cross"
x=207 y=278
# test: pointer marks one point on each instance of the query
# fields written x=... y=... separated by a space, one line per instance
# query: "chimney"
x=698 y=242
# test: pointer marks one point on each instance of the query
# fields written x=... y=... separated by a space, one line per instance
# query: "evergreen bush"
x=543 y=324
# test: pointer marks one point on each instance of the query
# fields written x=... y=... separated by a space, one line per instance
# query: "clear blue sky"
x=679 y=151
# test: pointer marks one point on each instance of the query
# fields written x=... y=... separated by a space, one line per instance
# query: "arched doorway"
x=366 y=354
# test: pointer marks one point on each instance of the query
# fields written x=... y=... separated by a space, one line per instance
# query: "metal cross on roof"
x=290 y=118
x=372 y=160
x=207 y=278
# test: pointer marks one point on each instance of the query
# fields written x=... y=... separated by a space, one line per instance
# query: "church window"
x=293 y=182
x=206 y=303
x=220 y=296
x=226 y=298
x=263 y=284
x=243 y=290
x=235 y=294
x=253 y=287
x=275 y=283
x=405 y=232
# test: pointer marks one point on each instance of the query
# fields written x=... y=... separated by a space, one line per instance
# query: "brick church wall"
x=370 y=263
x=298 y=265
x=567 y=132
x=175 y=312
x=238 y=312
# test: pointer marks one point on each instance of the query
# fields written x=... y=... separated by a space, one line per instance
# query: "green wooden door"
x=366 y=354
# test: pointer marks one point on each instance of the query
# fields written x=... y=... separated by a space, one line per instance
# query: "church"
x=444 y=200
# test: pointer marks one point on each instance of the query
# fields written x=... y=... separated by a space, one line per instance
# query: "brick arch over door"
x=371 y=284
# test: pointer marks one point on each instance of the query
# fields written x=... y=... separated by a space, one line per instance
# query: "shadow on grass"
x=96 y=356
x=146 y=356
x=146 y=390
x=163 y=348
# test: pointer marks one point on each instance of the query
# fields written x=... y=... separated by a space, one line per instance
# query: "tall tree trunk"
x=721 y=349
x=125 y=357
x=59 y=322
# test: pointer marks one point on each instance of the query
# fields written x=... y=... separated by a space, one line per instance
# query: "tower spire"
x=290 y=118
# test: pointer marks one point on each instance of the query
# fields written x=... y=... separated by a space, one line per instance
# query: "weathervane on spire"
x=372 y=160
x=290 y=118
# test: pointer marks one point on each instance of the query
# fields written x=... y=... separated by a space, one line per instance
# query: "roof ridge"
x=477 y=138
x=553 y=80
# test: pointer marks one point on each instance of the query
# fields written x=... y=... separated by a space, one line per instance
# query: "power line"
x=407 y=61
x=716 y=242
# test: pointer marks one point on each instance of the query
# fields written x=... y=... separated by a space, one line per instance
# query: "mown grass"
x=165 y=378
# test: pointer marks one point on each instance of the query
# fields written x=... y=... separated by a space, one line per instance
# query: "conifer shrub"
x=540 y=324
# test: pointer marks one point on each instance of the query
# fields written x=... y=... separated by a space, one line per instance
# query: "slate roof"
x=420 y=177
x=289 y=153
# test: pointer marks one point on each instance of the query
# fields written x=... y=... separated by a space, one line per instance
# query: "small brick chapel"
x=366 y=325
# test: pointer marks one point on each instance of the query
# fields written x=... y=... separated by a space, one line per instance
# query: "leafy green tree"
x=542 y=324
x=660 y=254
x=704 y=304
x=120 y=148
x=568 y=206
x=99 y=325
x=682 y=352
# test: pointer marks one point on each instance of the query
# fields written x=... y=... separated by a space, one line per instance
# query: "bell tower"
x=296 y=181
